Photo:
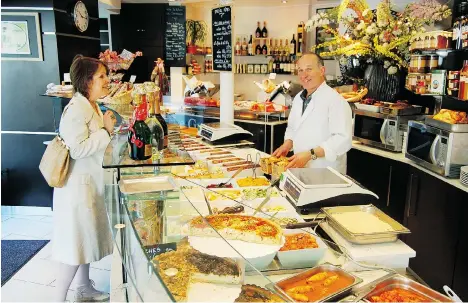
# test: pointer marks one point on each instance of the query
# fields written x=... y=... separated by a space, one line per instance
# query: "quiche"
x=253 y=293
x=178 y=268
x=237 y=227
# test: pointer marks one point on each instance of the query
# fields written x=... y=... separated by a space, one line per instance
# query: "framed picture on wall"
x=21 y=37
x=321 y=34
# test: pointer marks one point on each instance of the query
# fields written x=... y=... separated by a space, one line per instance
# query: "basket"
x=124 y=98
x=359 y=96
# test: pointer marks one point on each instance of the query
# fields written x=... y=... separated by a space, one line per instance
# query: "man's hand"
x=299 y=160
x=284 y=149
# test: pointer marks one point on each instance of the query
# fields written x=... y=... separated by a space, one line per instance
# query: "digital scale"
x=221 y=132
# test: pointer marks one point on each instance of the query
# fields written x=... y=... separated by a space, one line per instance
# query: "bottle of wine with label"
x=292 y=46
x=139 y=135
x=249 y=47
x=258 y=31
x=161 y=121
x=264 y=30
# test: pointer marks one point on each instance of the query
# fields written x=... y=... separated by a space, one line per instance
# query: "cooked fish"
x=330 y=280
x=318 y=277
x=299 y=297
x=301 y=289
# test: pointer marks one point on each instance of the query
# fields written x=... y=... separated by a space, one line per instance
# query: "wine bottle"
x=277 y=70
x=280 y=48
x=300 y=33
x=139 y=135
x=287 y=65
x=161 y=121
x=286 y=47
x=250 y=50
x=258 y=50
x=258 y=31
x=157 y=132
x=238 y=48
x=281 y=63
x=264 y=30
x=292 y=46
x=292 y=67
x=264 y=49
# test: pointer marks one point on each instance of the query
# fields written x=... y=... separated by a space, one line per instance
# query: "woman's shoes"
x=89 y=294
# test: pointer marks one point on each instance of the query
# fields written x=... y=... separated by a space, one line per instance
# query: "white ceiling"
x=236 y=2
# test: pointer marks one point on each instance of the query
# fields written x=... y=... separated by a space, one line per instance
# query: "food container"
x=300 y=258
x=369 y=237
x=454 y=75
x=419 y=64
x=438 y=82
x=452 y=92
x=390 y=282
x=257 y=69
x=145 y=185
x=453 y=84
x=367 y=107
x=433 y=62
x=326 y=267
x=260 y=179
x=276 y=204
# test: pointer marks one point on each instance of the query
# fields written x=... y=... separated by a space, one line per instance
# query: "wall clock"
x=80 y=16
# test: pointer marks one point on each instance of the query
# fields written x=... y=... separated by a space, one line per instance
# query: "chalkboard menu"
x=175 y=49
x=156 y=250
x=222 y=38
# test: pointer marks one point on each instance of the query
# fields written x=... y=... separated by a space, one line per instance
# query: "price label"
x=66 y=77
x=272 y=76
x=155 y=250
x=132 y=78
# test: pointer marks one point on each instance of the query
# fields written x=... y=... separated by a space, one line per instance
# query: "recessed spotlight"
x=284 y=1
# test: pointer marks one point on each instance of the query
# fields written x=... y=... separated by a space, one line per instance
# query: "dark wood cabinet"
x=386 y=178
x=460 y=277
x=432 y=214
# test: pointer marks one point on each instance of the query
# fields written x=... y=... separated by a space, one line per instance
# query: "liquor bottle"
x=280 y=48
x=238 y=48
x=157 y=109
x=258 y=50
x=464 y=26
x=463 y=84
x=249 y=47
x=157 y=132
x=258 y=31
x=456 y=29
x=264 y=49
x=264 y=30
x=286 y=47
x=244 y=48
x=139 y=135
x=292 y=46
x=300 y=33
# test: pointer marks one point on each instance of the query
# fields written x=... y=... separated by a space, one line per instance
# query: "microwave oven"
x=438 y=150
x=381 y=130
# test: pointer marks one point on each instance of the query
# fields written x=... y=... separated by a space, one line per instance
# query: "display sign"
x=156 y=250
x=222 y=38
x=174 y=48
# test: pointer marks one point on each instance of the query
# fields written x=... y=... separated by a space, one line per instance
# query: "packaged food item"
x=419 y=64
x=438 y=82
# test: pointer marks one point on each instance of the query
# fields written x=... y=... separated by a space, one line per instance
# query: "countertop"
x=401 y=158
x=272 y=123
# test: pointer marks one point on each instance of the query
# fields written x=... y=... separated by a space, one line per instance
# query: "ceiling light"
x=284 y=1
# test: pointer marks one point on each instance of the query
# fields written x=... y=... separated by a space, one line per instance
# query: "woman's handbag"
x=55 y=162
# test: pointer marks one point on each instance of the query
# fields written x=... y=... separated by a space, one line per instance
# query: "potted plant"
x=196 y=33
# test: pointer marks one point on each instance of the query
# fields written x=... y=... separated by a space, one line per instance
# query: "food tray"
x=368 y=108
x=310 y=272
x=365 y=238
x=399 y=281
x=455 y=128
x=412 y=110
x=144 y=185
x=302 y=258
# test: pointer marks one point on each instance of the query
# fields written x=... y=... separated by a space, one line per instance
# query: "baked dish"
x=178 y=268
x=251 y=181
x=253 y=293
x=237 y=227
x=399 y=295
x=299 y=241
x=451 y=116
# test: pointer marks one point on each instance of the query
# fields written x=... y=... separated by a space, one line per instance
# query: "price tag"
x=66 y=77
x=132 y=78
x=272 y=76
x=155 y=250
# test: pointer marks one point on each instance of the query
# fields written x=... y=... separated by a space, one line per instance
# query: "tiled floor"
x=35 y=282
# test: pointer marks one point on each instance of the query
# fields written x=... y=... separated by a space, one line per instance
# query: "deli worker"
x=320 y=123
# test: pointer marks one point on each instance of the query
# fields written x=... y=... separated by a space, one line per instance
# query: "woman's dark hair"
x=82 y=71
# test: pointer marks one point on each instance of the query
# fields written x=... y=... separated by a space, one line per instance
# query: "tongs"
x=258 y=157
x=268 y=197
x=233 y=176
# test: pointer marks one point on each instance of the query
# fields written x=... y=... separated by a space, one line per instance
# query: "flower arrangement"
x=377 y=36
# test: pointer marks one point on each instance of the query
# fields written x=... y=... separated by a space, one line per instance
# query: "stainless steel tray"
x=455 y=128
x=145 y=185
x=399 y=281
x=413 y=110
x=365 y=238
x=310 y=272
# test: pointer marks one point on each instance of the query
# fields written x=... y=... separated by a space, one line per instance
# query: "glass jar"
x=433 y=62
x=452 y=92
x=453 y=84
x=421 y=87
x=418 y=64
x=454 y=75
x=433 y=42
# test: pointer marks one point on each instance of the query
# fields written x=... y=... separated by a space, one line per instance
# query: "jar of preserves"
x=433 y=42
x=433 y=62
x=427 y=42
x=454 y=74
x=453 y=84
x=418 y=64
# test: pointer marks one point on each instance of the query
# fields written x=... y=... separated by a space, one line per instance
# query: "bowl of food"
x=301 y=249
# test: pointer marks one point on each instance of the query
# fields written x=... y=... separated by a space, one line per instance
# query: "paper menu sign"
x=132 y=78
x=272 y=76
x=66 y=77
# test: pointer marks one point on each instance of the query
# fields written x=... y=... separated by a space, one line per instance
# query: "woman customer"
x=81 y=229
